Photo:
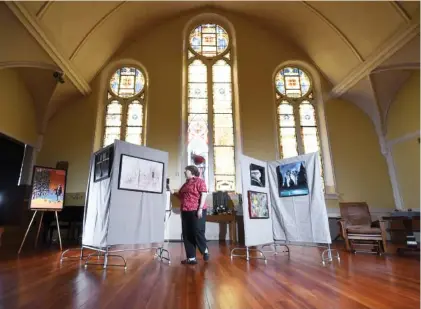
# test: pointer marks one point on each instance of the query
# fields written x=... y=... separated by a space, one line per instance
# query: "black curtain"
x=11 y=157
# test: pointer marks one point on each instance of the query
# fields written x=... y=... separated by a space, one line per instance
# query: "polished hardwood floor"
x=37 y=280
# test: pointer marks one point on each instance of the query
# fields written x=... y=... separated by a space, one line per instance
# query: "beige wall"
x=161 y=52
x=404 y=113
x=360 y=169
x=69 y=138
x=17 y=117
x=403 y=119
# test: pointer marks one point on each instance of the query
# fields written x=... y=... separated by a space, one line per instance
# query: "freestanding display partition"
x=283 y=203
x=125 y=202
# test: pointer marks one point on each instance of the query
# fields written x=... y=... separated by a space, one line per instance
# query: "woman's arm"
x=202 y=199
x=176 y=194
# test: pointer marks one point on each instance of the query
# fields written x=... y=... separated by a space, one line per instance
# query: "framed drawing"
x=292 y=179
x=258 y=205
x=103 y=164
x=142 y=175
x=48 y=188
x=257 y=175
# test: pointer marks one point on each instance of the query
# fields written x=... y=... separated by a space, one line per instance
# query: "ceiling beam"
x=31 y=24
x=404 y=35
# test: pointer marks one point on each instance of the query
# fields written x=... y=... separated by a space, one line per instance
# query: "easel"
x=39 y=228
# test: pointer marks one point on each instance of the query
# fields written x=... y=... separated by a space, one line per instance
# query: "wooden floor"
x=360 y=281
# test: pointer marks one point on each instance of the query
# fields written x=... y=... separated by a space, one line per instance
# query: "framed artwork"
x=258 y=205
x=292 y=179
x=142 y=175
x=48 y=188
x=257 y=176
x=103 y=164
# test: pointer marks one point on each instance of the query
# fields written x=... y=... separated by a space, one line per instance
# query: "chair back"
x=355 y=213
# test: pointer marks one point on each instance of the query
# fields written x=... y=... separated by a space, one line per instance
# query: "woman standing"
x=192 y=196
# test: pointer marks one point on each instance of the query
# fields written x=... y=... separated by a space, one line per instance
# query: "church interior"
x=209 y=82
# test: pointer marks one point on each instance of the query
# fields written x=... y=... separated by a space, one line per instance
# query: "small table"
x=226 y=218
x=409 y=229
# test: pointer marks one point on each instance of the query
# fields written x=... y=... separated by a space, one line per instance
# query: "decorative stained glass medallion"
x=127 y=82
x=292 y=82
x=209 y=40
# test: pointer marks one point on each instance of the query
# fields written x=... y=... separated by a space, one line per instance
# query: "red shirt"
x=190 y=193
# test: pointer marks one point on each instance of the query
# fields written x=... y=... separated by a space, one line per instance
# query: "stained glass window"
x=292 y=82
x=210 y=130
x=127 y=82
x=287 y=136
x=124 y=118
x=297 y=123
x=209 y=40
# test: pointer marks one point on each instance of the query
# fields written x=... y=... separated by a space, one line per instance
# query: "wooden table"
x=410 y=225
x=229 y=219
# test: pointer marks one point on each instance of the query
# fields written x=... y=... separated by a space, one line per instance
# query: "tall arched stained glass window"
x=125 y=111
x=210 y=115
x=297 y=121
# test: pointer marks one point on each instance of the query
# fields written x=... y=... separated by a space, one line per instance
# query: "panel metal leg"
x=27 y=230
x=159 y=253
x=58 y=231
x=106 y=254
x=274 y=251
x=327 y=255
x=247 y=254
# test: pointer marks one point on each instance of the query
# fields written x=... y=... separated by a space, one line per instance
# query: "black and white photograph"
x=142 y=175
x=292 y=179
x=103 y=164
x=257 y=175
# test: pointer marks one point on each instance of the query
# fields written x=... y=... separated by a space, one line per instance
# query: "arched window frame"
x=210 y=18
x=314 y=96
x=125 y=102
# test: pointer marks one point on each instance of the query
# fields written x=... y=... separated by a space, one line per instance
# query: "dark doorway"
x=11 y=157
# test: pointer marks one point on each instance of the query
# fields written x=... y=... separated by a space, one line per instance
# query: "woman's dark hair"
x=193 y=169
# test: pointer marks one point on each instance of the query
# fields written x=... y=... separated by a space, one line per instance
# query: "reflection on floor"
x=36 y=280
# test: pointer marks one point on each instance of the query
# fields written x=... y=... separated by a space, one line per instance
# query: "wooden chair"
x=356 y=227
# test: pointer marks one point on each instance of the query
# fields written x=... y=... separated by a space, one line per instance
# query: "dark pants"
x=193 y=232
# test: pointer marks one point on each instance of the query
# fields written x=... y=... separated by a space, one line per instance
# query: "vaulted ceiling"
x=364 y=49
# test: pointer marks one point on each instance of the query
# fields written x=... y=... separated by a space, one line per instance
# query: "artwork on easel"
x=142 y=175
x=258 y=205
x=48 y=188
x=103 y=164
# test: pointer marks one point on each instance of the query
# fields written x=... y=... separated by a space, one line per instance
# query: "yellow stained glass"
x=198 y=90
x=221 y=72
x=198 y=106
x=135 y=114
x=114 y=107
x=113 y=120
x=288 y=142
x=223 y=130
x=197 y=72
x=134 y=135
x=224 y=160
x=310 y=139
x=111 y=134
x=307 y=114
x=224 y=183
